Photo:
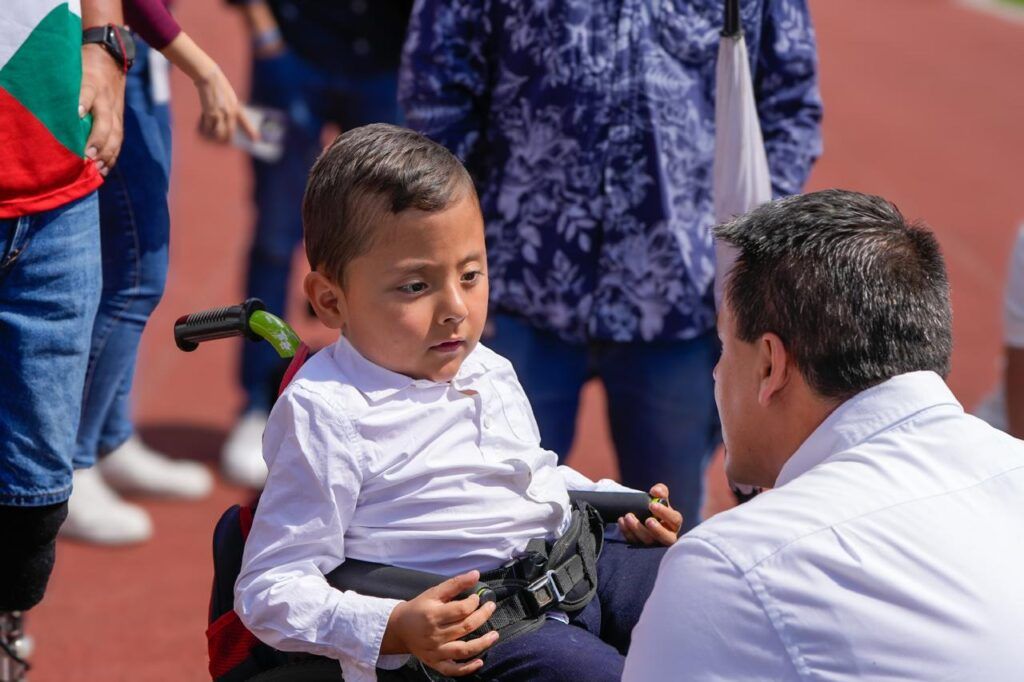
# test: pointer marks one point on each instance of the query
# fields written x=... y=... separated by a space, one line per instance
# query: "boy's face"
x=416 y=303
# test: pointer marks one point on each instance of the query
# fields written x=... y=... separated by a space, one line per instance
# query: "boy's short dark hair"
x=364 y=173
x=856 y=294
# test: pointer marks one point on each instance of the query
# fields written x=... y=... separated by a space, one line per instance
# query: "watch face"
x=129 y=44
x=116 y=40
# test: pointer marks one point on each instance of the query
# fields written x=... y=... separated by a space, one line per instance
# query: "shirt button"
x=487 y=422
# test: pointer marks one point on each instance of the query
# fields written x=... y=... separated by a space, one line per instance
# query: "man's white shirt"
x=373 y=465
x=892 y=547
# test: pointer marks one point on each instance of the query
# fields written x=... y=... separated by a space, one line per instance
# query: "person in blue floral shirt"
x=589 y=128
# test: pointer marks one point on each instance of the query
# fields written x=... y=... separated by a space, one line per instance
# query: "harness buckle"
x=545 y=592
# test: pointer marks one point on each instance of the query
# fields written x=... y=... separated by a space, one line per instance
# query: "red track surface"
x=923 y=105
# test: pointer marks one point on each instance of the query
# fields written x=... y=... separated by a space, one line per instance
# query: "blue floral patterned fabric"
x=589 y=128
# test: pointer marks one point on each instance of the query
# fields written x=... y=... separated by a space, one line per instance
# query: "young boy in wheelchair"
x=407 y=442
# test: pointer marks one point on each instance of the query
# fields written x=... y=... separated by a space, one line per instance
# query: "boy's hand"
x=662 y=528
x=429 y=627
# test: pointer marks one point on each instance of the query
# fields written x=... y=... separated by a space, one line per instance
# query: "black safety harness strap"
x=562 y=576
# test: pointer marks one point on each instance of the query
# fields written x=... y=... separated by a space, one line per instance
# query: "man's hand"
x=429 y=627
x=102 y=95
x=663 y=527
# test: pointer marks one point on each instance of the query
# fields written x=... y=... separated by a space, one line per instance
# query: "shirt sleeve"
x=443 y=80
x=298 y=535
x=703 y=621
x=574 y=480
x=151 y=20
x=788 y=100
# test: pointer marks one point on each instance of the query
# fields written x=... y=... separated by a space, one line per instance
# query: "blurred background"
x=924 y=104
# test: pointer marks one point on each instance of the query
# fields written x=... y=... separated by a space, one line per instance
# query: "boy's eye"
x=413 y=287
x=473 y=276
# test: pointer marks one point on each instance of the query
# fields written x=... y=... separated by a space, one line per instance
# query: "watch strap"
x=116 y=40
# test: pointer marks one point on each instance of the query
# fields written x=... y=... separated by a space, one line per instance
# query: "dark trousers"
x=310 y=97
x=29 y=538
x=593 y=645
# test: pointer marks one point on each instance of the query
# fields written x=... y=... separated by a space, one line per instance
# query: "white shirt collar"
x=378 y=383
x=864 y=415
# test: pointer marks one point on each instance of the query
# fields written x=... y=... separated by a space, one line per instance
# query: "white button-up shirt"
x=373 y=465
x=892 y=548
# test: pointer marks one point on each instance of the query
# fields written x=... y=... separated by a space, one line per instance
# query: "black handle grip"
x=612 y=505
x=216 y=323
x=392 y=582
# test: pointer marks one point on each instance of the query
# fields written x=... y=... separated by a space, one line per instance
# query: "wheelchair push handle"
x=215 y=323
x=249 y=319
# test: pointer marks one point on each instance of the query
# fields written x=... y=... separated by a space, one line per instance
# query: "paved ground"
x=920 y=108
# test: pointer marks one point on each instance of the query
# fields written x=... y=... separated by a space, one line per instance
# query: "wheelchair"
x=235 y=653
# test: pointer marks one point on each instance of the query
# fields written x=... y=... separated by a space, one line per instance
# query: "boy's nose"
x=453 y=309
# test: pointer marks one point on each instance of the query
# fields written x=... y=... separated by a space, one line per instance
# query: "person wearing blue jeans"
x=60 y=117
x=49 y=291
x=589 y=128
x=319 y=64
x=134 y=233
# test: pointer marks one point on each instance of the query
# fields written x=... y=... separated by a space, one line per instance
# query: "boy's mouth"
x=448 y=346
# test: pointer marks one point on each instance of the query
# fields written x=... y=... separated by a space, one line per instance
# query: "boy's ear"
x=327 y=299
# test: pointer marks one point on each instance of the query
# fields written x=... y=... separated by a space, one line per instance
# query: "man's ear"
x=775 y=365
x=327 y=299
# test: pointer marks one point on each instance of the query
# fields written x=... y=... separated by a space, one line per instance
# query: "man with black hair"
x=891 y=544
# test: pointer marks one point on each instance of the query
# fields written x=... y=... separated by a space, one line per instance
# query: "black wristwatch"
x=117 y=40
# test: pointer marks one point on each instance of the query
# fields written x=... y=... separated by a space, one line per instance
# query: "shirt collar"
x=865 y=414
x=378 y=383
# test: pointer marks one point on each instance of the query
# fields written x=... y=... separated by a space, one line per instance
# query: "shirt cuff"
x=393 y=661
x=372 y=622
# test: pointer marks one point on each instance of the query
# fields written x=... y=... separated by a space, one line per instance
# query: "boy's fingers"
x=453 y=669
x=659 y=533
x=453 y=587
x=626 y=532
x=469 y=623
x=458 y=610
x=659 y=490
x=669 y=517
x=460 y=650
x=642 y=535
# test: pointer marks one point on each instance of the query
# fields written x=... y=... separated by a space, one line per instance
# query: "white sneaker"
x=97 y=515
x=242 y=457
x=137 y=469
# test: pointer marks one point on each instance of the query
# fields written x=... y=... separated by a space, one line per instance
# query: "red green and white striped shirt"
x=42 y=139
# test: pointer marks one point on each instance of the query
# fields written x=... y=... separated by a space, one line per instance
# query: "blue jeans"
x=661 y=403
x=134 y=228
x=593 y=645
x=49 y=290
x=311 y=98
